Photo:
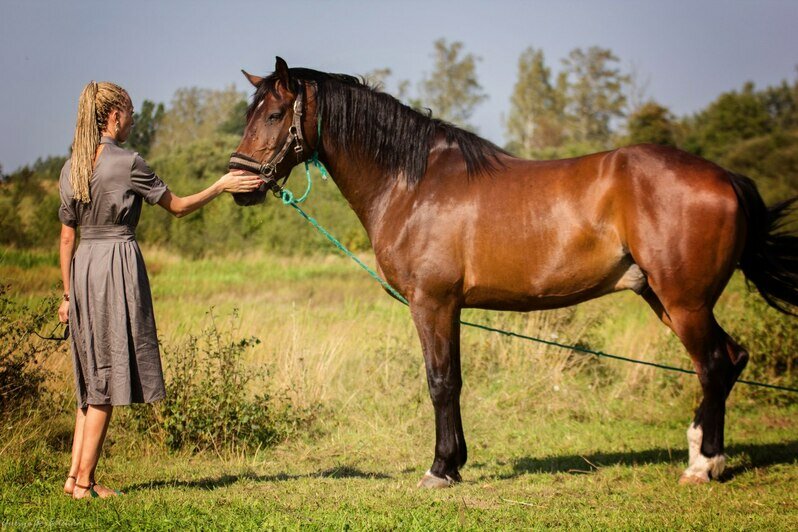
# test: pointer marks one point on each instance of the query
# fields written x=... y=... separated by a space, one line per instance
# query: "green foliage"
x=12 y=231
x=146 y=123
x=29 y=204
x=537 y=107
x=22 y=375
x=236 y=122
x=771 y=160
x=771 y=338
x=452 y=90
x=733 y=117
x=574 y=115
x=196 y=114
x=210 y=403
x=595 y=93
x=651 y=123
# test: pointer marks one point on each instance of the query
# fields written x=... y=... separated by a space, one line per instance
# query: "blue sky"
x=689 y=51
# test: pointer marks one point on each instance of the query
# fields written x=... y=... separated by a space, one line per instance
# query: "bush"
x=209 y=403
x=771 y=338
x=22 y=376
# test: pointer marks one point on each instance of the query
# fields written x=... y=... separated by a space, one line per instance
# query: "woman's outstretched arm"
x=230 y=182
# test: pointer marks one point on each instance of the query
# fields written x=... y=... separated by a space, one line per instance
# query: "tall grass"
x=336 y=349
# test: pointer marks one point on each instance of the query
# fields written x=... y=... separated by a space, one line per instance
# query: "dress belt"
x=107 y=233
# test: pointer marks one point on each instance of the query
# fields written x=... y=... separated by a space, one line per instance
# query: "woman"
x=107 y=297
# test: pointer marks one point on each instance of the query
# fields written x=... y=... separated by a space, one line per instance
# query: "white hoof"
x=431 y=481
x=703 y=469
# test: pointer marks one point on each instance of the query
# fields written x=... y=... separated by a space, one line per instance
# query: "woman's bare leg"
x=95 y=427
x=77 y=445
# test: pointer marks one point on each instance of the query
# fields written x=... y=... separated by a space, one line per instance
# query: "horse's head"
x=274 y=139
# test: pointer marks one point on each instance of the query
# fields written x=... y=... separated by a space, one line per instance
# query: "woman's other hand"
x=63 y=312
x=240 y=181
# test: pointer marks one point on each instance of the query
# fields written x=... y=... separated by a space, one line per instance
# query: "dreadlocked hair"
x=96 y=102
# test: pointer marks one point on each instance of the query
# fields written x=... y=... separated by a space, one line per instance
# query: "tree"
x=537 y=107
x=653 y=123
x=237 y=121
x=595 y=94
x=452 y=90
x=781 y=104
x=731 y=118
x=195 y=114
x=145 y=127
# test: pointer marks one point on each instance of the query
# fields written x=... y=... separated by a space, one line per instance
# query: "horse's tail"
x=770 y=255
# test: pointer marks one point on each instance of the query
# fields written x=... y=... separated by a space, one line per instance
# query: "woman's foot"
x=104 y=492
x=94 y=490
x=80 y=491
x=69 y=485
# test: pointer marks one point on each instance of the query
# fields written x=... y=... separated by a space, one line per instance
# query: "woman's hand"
x=63 y=312
x=240 y=181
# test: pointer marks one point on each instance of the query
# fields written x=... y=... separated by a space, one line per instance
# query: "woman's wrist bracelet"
x=66 y=297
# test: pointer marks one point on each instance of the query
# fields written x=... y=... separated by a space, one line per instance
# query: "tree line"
x=589 y=104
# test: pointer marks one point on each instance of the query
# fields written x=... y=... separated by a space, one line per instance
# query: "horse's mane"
x=358 y=116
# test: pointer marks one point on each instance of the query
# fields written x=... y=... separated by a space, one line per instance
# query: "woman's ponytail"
x=84 y=146
x=95 y=104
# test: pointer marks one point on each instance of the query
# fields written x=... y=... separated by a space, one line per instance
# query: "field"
x=556 y=439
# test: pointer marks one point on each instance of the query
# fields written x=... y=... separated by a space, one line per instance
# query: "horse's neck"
x=363 y=186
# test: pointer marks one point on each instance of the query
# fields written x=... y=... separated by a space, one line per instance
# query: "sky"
x=685 y=52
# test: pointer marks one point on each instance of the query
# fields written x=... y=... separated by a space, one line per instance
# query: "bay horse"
x=456 y=222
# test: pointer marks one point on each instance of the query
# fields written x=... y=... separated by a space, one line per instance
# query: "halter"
x=266 y=171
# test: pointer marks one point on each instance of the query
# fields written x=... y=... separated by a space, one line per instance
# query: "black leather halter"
x=267 y=171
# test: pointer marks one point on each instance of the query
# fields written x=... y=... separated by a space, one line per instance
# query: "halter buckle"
x=267 y=169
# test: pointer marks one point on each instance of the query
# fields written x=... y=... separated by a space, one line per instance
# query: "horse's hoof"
x=688 y=480
x=431 y=481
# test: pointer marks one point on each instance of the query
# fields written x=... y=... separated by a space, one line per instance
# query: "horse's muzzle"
x=255 y=197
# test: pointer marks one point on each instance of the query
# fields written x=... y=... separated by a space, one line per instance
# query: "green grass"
x=556 y=440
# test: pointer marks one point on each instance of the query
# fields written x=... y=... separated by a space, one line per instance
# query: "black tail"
x=770 y=256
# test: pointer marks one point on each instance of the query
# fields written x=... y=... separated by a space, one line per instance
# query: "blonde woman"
x=107 y=299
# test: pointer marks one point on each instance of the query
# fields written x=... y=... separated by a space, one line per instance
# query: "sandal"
x=90 y=489
x=117 y=492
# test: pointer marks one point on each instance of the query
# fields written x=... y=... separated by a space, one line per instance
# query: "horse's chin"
x=246 y=199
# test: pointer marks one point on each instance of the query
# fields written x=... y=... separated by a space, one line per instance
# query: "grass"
x=556 y=440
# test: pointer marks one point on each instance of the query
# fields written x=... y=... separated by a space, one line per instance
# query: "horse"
x=457 y=222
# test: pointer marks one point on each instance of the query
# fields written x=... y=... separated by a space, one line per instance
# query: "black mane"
x=358 y=116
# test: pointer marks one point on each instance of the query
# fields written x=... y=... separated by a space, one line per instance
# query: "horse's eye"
x=274 y=117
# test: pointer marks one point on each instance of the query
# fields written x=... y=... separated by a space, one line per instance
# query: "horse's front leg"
x=438 y=324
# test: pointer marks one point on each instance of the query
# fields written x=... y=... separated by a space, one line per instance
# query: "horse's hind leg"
x=439 y=330
x=720 y=371
x=718 y=360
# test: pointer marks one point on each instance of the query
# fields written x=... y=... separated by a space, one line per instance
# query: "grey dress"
x=114 y=341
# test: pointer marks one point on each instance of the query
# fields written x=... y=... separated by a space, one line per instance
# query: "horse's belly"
x=539 y=285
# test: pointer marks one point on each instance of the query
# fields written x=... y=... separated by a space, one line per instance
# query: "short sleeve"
x=67 y=212
x=144 y=181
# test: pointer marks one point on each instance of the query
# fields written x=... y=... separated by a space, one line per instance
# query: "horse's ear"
x=255 y=80
x=283 y=75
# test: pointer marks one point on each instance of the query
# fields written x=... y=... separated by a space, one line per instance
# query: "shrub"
x=209 y=402
x=22 y=375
